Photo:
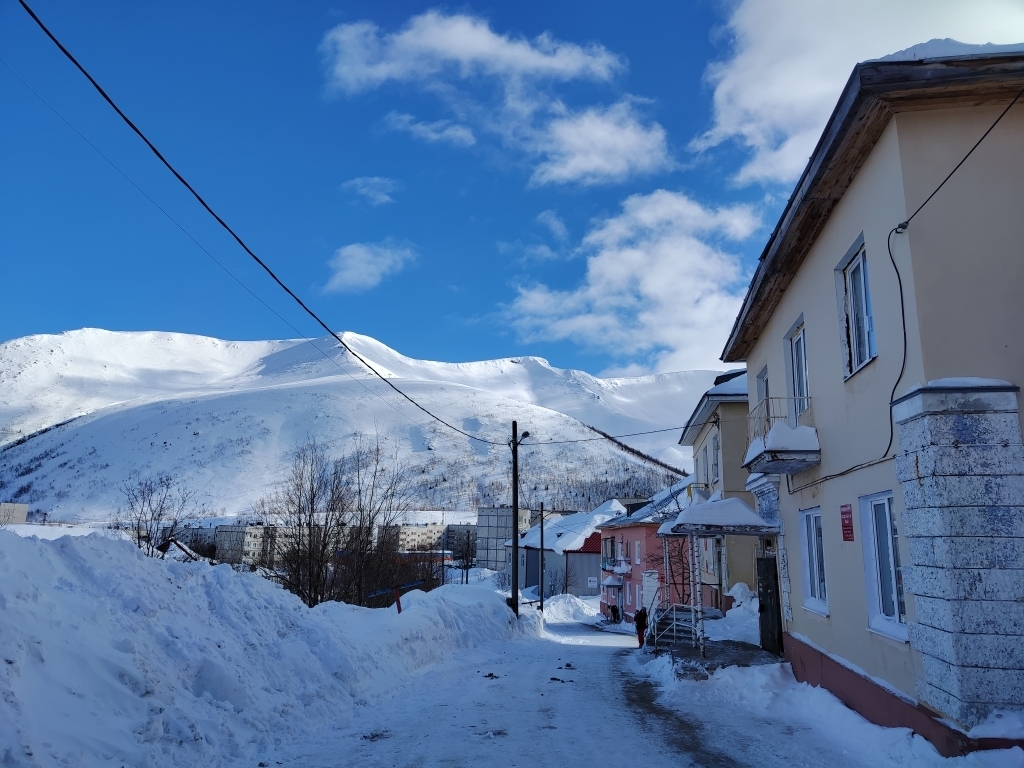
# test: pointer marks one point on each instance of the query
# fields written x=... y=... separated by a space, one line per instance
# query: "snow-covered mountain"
x=223 y=416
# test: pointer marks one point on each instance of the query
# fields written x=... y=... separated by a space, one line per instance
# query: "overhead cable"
x=230 y=231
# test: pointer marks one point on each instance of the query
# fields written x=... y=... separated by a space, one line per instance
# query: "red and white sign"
x=846 y=518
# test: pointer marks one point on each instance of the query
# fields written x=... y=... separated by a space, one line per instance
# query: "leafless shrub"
x=155 y=508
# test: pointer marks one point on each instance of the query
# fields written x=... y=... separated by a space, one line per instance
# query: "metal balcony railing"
x=794 y=411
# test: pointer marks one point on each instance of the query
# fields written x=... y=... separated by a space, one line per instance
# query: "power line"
x=201 y=246
x=230 y=231
x=252 y=254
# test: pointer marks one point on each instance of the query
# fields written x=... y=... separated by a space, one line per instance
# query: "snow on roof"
x=717 y=515
x=736 y=385
x=572 y=531
x=947 y=47
x=591 y=546
x=661 y=503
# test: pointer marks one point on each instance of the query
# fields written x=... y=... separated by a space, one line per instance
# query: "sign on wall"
x=592 y=582
x=846 y=518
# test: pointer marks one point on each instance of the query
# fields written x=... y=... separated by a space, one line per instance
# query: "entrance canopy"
x=612 y=581
x=722 y=517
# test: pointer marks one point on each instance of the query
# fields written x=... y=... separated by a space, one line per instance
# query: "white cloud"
x=442 y=53
x=360 y=57
x=376 y=189
x=659 y=285
x=554 y=223
x=791 y=58
x=360 y=266
x=439 y=130
x=599 y=145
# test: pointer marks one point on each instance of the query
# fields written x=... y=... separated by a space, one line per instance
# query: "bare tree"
x=336 y=536
x=155 y=509
x=463 y=553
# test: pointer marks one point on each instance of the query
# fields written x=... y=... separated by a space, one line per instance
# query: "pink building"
x=633 y=559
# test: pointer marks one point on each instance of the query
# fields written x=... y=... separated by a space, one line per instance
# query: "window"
x=798 y=348
x=815 y=598
x=762 y=384
x=629 y=595
x=886 y=606
x=714 y=459
x=860 y=327
x=705 y=465
x=637 y=549
x=696 y=467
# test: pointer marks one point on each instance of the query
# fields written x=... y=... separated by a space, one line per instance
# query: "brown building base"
x=879 y=706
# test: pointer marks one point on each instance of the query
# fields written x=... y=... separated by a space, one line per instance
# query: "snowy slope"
x=224 y=415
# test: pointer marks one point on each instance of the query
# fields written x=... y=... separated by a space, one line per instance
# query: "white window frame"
x=705 y=461
x=855 y=357
x=629 y=594
x=798 y=353
x=715 y=447
x=814 y=571
x=637 y=550
x=893 y=626
x=862 y=350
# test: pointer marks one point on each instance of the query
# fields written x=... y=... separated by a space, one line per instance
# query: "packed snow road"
x=576 y=696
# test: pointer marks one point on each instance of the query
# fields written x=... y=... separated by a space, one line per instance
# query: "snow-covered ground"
x=110 y=658
x=223 y=416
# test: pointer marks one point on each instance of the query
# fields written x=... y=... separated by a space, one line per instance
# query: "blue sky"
x=588 y=182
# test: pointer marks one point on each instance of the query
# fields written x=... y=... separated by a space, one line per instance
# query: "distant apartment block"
x=249 y=544
x=13 y=514
x=493 y=529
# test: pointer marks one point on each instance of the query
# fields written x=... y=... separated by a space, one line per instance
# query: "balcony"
x=616 y=564
x=699 y=492
x=781 y=437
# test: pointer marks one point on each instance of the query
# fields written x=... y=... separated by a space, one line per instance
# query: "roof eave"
x=874 y=92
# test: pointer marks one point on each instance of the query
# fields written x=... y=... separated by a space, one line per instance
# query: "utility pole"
x=515 y=518
x=514 y=600
x=542 y=557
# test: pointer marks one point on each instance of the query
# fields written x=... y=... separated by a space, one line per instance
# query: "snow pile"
x=782 y=437
x=768 y=699
x=1001 y=724
x=566 y=609
x=112 y=657
x=740 y=622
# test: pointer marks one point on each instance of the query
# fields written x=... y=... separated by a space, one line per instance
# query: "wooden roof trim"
x=874 y=92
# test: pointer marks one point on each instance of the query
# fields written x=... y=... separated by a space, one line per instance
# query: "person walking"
x=640 y=620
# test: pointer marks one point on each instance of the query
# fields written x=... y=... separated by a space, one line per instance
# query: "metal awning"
x=722 y=517
x=612 y=581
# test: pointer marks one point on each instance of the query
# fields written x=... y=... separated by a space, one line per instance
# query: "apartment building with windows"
x=717 y=433
x=885 y=426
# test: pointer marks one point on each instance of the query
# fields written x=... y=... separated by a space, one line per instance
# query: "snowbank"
x=565 y=609
x=740 y=622
x=114 y=658
x=768 y=699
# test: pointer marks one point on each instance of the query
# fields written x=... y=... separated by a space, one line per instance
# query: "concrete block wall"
x=961 y=468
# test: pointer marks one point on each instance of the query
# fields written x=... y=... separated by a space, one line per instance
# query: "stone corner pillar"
x=961 y=468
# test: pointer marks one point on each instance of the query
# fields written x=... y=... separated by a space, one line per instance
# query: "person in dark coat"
x=640 y=620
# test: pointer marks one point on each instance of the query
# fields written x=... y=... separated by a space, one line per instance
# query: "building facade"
x=494 y=528
x=885 y=428
x=717 y=433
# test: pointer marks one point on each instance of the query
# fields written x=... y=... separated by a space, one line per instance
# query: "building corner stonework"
x=961 y=468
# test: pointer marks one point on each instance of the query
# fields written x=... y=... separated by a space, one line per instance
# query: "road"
x=579 y=697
